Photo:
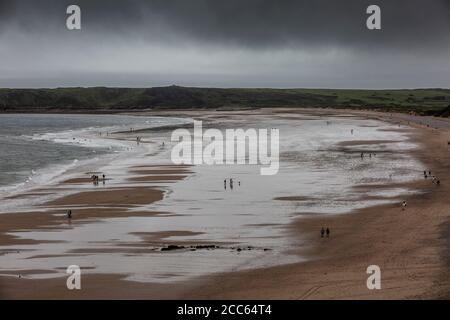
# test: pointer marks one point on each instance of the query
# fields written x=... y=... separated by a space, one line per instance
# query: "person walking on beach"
x=328 y=232
x=69 y=214
x=231 y=183
x=225 y=184
x=322 y=232
x=403 y=205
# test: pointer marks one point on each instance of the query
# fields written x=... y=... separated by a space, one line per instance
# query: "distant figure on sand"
x=322 y=232
x=362 y=155
x=328 y=232
x=69 y=214
x=231 y=183
x=225 y=184
x=403 y=205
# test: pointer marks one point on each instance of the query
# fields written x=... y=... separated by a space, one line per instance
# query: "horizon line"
x=223 y=88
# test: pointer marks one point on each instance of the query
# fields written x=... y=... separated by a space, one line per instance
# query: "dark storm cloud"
x=247 y=23
x=232 y=43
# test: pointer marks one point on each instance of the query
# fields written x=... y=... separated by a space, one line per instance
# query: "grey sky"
x=246 y=43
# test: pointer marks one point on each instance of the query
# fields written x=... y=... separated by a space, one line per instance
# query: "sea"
x=36 y=148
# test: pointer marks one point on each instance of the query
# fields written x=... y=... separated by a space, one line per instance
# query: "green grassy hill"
x=101 y=99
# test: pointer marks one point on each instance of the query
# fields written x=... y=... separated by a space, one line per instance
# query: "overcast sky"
x=225 y=43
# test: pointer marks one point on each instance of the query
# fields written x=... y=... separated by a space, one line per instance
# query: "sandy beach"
x=410 y=246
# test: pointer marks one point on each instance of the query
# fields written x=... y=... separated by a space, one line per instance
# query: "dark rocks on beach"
x=206 y=246
x=172 y=247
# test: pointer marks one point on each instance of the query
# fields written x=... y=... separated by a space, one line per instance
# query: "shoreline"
x=286 y=281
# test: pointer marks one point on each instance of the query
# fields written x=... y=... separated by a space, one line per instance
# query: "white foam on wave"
x=95 y=138
x=83 y=138
x=47 y=176
x=99 y=137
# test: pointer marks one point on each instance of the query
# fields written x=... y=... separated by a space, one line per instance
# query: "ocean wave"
x=94 y=138
x=99 y=137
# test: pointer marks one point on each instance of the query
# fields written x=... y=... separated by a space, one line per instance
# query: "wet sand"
x=410 y=246
x=87 y=205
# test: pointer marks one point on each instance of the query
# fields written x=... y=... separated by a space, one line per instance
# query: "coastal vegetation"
x=105 y=99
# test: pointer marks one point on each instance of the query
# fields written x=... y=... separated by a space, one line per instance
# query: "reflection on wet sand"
x=156 y=222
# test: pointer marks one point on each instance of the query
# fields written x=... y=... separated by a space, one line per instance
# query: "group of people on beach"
x=426 y=175
x=404 y=204
x=231 y=183
x=370 y=155
x=324 y=232
x=434 y=179
x=95 y=179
